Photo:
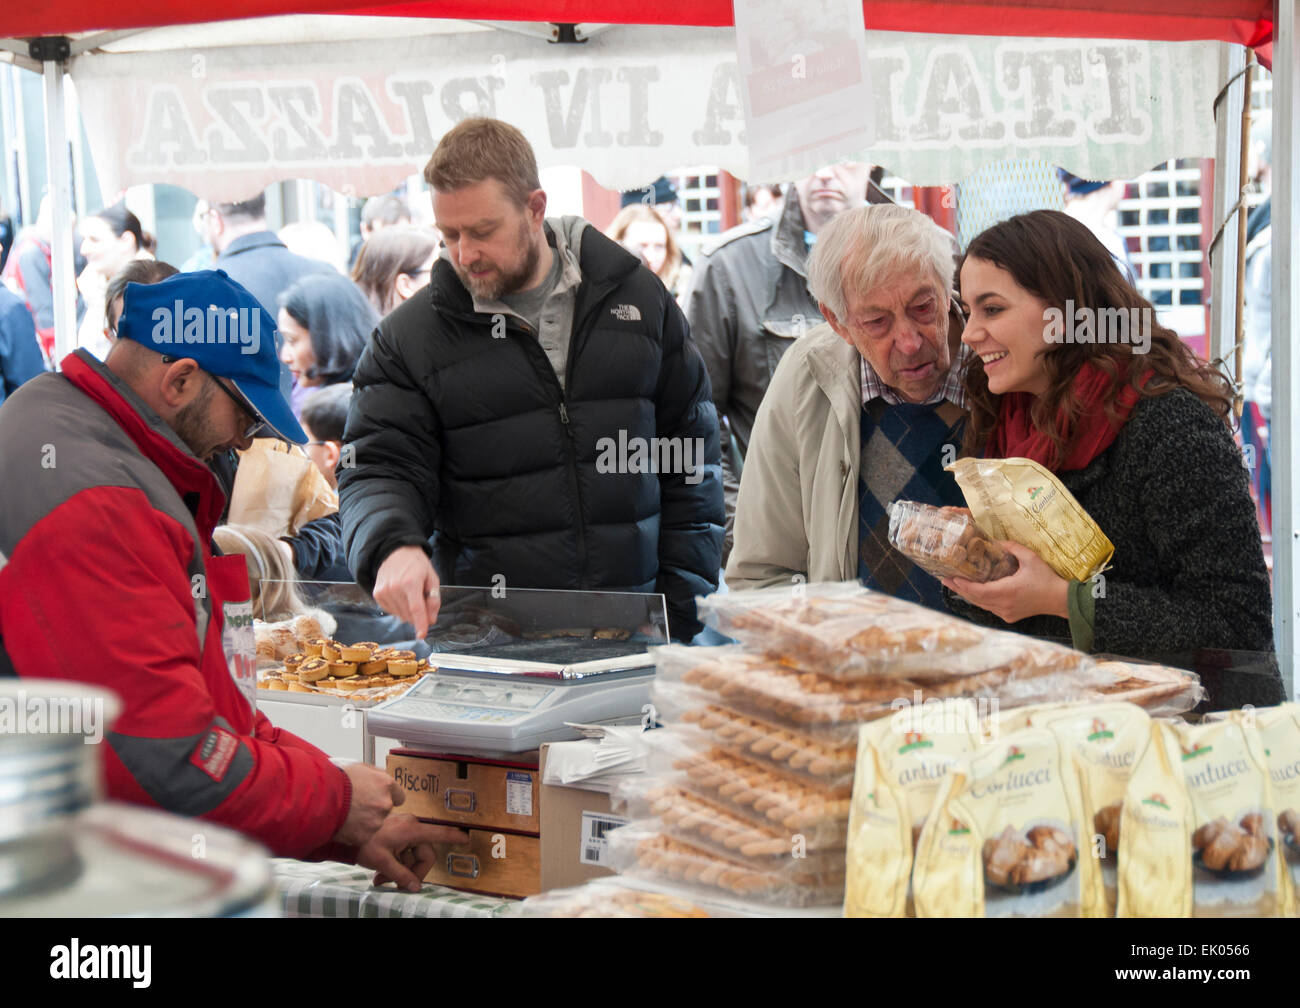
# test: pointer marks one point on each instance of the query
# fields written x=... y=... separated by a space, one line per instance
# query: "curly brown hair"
x=1058 y=259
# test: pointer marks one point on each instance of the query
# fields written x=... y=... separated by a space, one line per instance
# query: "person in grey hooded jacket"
x=748 y=302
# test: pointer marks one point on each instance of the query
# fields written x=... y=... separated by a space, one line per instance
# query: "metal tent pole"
x=1286 y=364
x=53 y=54
x=1223 y=254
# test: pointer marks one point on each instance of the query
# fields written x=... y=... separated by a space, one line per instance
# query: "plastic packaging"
x=838 y=630
x=1017 y=499
x=1201 y=834
x=1161 y=690
x=641 y=850
x=1009 y=668
x=1100 y=744
x=687 y=817
x=946 y=542
x=608 y=901
x=751 y=684
x=825 y=761
x=1279 y=730
x=1237 y=854
x=902 y=762
x=1003 y=837
x=751 y=791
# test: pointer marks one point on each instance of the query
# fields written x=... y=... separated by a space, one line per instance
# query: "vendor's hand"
x=402 y=850
x=1033 y=590
x=407 y=587
x=374 y=794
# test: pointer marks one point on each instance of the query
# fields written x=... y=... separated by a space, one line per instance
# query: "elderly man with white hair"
x=862 y=411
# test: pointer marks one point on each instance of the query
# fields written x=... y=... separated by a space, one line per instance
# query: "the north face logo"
x=626 y=313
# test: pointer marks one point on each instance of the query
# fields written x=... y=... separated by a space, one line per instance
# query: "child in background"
x=323 y=417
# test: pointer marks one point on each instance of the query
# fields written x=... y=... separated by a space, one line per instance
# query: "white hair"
x=864 y=247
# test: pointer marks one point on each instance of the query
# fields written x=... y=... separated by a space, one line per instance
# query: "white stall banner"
x=627 y=105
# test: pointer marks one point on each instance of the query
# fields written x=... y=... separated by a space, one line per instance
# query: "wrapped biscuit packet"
x=1002 y=839
x=752 y=685
x=1161 y=690
x=771 y=740
x=1101 y=742
x=644 y=850
x=1155 y=871
x=1199 y=833
x=840 y=630
x=1017 y=499
x=878 y=863
x=1236 y=857
x=751 y=790
x=946 y=542
x=1279 y=730
x=608 y=899
x=902 y=760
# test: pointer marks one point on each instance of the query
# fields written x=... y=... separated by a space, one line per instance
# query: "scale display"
x=502 y=707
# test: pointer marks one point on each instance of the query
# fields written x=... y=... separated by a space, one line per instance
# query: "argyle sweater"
x=902 y=459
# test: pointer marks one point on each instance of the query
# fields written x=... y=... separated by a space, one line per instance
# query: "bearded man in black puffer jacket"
x=540 y=406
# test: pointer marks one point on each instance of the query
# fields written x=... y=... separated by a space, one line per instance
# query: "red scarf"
x=1016 y=437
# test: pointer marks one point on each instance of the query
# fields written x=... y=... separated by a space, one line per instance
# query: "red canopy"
x=1248 y=22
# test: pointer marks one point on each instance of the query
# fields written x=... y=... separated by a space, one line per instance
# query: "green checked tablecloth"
x=330 y=889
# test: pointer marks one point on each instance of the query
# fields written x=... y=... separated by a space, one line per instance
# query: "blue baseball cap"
x=207 y=317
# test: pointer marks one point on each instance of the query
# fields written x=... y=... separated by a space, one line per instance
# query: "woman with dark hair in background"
x=324 y=323
x=109 y=240
x=393 y=264
x=1072 y=370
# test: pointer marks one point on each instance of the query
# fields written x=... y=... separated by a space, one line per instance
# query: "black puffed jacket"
x=458 y=432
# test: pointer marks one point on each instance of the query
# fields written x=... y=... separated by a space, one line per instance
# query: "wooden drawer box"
x=492 y=794
x=494 y=863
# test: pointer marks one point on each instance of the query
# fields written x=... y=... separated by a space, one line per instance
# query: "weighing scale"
x=478 y=705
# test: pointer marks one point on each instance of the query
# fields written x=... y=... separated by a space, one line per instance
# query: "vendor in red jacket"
x=106 y=519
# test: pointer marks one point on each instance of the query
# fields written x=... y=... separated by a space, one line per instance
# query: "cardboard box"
x=574 y=821
x=469 y=791
x=494 y=863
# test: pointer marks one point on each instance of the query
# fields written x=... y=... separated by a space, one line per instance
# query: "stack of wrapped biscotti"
x=748 y=789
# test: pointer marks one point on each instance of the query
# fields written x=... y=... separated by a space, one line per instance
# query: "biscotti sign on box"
x=489 y=793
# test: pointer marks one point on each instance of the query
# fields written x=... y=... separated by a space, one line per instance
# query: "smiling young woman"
x=1138 y=429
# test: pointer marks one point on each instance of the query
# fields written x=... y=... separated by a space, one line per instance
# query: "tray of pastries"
x=363 y=671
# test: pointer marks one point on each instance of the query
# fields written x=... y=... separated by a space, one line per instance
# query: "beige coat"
x=797 y=512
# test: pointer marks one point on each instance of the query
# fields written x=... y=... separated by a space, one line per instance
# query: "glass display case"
x=517 y=664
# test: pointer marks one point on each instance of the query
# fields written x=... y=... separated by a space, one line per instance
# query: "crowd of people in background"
x=823 y=359
x=746 y=298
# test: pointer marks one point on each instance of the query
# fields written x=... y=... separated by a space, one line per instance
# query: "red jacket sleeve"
x=100 y=591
